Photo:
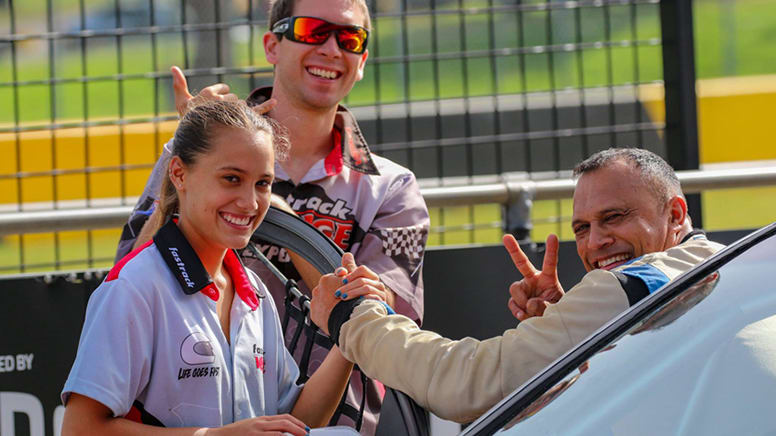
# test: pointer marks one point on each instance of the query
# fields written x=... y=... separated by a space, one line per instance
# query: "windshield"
x=703 y=363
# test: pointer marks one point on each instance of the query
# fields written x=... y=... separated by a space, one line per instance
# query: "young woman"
x=180 y=334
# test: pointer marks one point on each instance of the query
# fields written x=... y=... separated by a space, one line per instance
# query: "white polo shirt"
x=152 y=348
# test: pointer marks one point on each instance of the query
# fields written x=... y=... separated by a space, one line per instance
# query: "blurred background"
x=461 y=91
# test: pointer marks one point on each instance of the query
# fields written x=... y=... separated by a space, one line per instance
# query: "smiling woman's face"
x=617 y=217
x=225 y=193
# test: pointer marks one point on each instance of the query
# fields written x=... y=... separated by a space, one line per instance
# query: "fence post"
x=517 y=214
x=681 y=132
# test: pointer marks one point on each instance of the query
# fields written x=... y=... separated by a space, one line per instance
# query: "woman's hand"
x=264 y=425
x=84 y=415
x=346 y=283
x=359 y=281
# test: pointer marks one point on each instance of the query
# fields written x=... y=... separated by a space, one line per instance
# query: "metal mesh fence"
x=454 y=89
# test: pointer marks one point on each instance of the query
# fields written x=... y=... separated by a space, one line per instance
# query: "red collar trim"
x=113 y=274
x=186 y=260
x=354 y=152
x=242 y=284
x=333 y=162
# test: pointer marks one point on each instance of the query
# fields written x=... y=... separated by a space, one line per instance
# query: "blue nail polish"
x=345 y=281
x=337 y=294
x=344 y=296
x=307 y=428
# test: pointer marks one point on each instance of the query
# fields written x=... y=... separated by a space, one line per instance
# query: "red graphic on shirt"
x=336 y=230
x=355 y=152
x=333 y=162
x=260 y=363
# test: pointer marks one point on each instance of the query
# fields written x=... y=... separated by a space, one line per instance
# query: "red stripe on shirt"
x=114 y=272
x=333 y=162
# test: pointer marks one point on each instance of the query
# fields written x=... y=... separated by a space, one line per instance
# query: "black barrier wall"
x=41 y=319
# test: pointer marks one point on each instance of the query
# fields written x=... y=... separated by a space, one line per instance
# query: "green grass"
x=31 y=9
x=735 y=37
x=751 y=45
x=104 y=97
x=422 y=79
x=482 y=75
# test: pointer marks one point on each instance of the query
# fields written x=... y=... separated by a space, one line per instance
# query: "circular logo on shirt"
x=197 y=350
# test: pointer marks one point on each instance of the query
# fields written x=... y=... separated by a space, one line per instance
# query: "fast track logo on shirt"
x=259 y=357
x=181 y=267
x=196 y=349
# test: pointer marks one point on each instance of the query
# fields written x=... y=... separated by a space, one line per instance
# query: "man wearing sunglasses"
x=368 y=205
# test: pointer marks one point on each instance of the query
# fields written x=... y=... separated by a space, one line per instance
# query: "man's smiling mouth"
x=604 y=263
x=323 y=73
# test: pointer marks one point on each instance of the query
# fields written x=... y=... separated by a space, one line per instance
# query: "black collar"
x=181 y=258
x=694 y=232
x=185 y=265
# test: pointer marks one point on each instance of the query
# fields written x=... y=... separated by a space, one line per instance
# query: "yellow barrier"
x=736 y=119
x=75 y=149
x=735 y=116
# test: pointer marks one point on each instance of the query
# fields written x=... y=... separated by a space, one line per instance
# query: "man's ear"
x=177 y=171
x=271 y=43
x=362 y=65
x=677 y=208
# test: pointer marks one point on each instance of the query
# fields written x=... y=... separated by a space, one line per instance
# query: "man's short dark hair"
x=279 y=9
x=655 y=171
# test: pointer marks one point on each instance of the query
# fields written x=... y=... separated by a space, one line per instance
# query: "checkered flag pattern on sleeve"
x=407 y=241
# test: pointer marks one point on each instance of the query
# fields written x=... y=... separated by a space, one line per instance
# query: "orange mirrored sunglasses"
x=315 y=31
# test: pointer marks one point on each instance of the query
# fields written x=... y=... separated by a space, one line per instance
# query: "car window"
x=702 y=363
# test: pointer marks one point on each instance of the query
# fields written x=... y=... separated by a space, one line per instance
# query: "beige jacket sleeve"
x=459 y=380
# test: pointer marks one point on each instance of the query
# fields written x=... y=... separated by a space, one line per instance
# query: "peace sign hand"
x=538 y=289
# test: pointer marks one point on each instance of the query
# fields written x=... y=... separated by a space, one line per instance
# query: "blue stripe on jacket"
x=651 y=276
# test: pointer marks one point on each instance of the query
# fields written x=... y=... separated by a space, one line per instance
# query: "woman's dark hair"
x=196 y=131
